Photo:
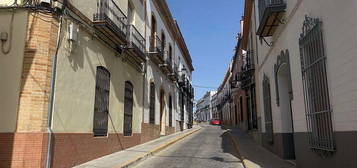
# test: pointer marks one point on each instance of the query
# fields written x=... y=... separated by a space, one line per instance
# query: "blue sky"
x=209 y=28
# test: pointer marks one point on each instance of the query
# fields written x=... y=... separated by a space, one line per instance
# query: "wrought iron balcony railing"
x=174 y=75
x=166 y=66
x=111 y=22
x=270 y=15
x=136 y=39
x=156 y=50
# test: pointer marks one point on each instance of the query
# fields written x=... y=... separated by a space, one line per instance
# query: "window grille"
x=101 y=103
x=152 y=103
x=314 y=76
x=241 y=109
x=170 y=111
x=128 y=108
x=269 y=132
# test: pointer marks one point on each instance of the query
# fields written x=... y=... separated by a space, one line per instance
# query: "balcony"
x=136 y=44
x=270 y=15
x=182 y=81
x=167 y=65
x=174 y=75
x=111 y=23
x=156 y=50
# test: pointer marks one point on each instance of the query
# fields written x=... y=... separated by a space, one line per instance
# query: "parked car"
x=215 y=122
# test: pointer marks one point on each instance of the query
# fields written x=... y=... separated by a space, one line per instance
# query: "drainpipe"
x=52 y=96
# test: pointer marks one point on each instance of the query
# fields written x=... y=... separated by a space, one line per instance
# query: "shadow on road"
x=227 y=145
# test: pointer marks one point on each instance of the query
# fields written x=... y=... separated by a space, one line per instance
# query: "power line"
x=204 y=87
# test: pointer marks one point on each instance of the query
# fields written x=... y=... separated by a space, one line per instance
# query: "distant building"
x=204 y=107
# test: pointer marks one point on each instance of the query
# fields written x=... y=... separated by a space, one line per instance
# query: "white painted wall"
x=338 y=28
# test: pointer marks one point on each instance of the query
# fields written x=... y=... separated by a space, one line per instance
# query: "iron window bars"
x=101 y=103
x=128 y=108
x=152 y=103
x=170 y=111
x=269 y=132
x=316 y=93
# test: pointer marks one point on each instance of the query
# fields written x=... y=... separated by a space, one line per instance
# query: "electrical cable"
x=3 y=50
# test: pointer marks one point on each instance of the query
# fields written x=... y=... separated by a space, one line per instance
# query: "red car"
x=215 y=122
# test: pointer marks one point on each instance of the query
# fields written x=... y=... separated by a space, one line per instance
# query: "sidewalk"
x=134 y=155
x=254 y=155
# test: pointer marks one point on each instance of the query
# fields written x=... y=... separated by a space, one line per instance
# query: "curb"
x=246 y=163
x=156 y=150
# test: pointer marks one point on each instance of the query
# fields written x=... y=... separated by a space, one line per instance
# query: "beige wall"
x=75 y=87
x=11 y=68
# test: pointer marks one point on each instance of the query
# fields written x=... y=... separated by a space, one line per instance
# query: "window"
x=170 y=111
x=267 y=110
x=101 y=102
x=170 y=53
x=241 y=108
x=128 y=108
x=153 y=32
x=152 y=103
x=131 y=15
x=314 y=77
x=163 y=41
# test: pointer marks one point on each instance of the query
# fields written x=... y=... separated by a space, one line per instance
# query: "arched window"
x=152 y=103
x=170 y=111
x=101 y=103
x=128 y=108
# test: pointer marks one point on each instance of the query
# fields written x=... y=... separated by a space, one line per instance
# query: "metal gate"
x=317 y=100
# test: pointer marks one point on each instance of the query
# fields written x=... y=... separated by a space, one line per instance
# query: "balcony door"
x=153 y=32
x=131 y=14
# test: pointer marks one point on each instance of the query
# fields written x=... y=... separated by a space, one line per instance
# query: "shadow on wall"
x=7 y=148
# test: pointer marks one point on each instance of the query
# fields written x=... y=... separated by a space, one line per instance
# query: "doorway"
x=285 y=97
x=162 y=113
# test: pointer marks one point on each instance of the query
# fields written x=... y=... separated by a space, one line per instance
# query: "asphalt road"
x=210 y=147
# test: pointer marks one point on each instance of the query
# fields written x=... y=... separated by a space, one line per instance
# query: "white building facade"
x=304 y=54
x=204 y=107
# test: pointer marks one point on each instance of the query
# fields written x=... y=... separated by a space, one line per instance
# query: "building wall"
x=340 y=51
x=25 y=140
x=77 y=63
x=11 y=68
x=156 y=75
x=26 y=75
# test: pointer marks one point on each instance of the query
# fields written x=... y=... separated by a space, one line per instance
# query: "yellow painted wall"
x=75 y=87
x=11 y=68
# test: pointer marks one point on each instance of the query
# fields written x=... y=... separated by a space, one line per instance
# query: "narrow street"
x=210 y=147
